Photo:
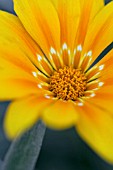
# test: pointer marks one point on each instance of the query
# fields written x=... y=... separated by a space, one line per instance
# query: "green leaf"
x=25 y=150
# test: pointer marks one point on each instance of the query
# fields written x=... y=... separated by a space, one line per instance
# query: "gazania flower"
x=46 y=55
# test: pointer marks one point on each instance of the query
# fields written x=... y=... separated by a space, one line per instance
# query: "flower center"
x=68 y=83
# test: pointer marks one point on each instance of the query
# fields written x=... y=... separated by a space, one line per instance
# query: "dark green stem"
x=25 y=150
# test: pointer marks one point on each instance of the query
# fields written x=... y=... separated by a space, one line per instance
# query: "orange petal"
x=60 y=115
x=95 y=126
x=23 y=114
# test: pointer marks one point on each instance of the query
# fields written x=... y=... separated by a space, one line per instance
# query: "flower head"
x=46 y=54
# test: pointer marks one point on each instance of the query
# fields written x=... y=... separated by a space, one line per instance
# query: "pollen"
x=68 y=83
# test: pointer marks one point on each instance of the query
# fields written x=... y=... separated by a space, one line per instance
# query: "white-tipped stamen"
x=52 y=50
x=39 y=57
x=80 y=104
x=101 y=67
x=79 y=47
x=93 y=95
x=39 y=86
x=100 y=84
x=89 y=53
x=64 y=47
x=47 y=97
x=34 y=73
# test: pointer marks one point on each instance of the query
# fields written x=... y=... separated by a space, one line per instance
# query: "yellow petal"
x=23 y=114
x=103 y=95
x=95 y=126
x=104 y=67
x=17 y=46
x=106 y=60
x=19 y=75
x=106 y=64
x=68 y=12
x=86 y=10
x=97 y=5
x=100 y=33
x=15 y=83
x=12 y=57
x=89 y=9
x=60 y=115
x=41 y=21
x=103 y=98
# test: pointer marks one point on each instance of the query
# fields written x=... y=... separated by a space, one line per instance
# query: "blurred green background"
x=61 y=150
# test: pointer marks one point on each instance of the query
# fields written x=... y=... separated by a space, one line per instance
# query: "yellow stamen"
x=68 y=83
